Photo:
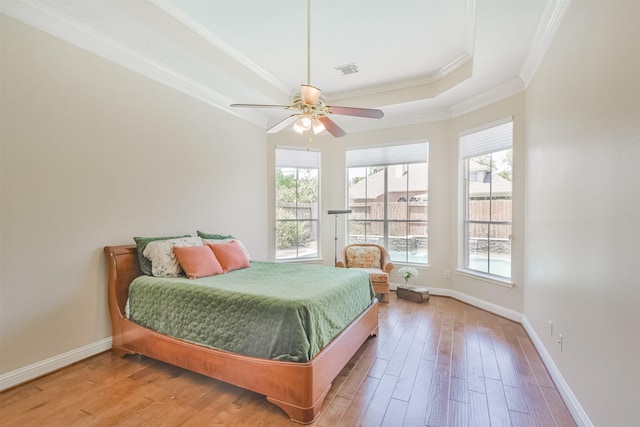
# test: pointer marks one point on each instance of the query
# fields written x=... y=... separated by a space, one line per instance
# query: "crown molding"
x=495 y=94
x=193 y=25
x=551 y=18
x=466 y=58
x=47 y=19
x=398 y=120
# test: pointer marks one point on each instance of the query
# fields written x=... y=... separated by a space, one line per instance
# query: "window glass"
x=297 y=204
x=488 y=200
x=389 y=202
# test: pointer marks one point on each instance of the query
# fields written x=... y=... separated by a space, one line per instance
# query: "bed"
x=297 y=387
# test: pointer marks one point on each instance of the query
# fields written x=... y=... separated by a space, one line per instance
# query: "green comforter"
x=269 y=310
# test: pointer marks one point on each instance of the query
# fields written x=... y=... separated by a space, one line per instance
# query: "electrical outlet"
x=447 y=274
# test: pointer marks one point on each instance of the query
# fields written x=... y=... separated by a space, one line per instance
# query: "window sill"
x=410 y=264
x=495 y=280
x=300 y=260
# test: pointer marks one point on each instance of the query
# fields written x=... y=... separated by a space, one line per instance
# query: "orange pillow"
x=197 y=261
x=230 y=255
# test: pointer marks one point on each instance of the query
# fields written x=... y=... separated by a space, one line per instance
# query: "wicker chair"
x=372 y=258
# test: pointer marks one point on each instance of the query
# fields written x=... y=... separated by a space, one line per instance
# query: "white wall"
x=91 y=155
x=583 y=207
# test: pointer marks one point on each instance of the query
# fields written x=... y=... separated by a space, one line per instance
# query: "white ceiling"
x=418 y=60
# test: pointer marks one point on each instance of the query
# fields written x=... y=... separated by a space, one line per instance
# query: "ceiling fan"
x=312 y=114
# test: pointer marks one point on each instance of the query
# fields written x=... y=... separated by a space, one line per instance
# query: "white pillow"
x=163 y=261
x=220 y=241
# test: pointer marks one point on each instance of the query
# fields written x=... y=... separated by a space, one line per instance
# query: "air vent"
x=347 y=69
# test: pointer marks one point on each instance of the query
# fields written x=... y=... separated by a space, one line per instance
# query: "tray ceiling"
x=417 y=60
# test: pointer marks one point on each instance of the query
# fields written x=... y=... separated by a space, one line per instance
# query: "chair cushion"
x=363 y=257
x=376 y=275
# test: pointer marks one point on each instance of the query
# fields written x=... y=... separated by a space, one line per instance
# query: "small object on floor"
x=419 y=295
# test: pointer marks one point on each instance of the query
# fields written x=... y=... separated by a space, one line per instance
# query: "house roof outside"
x=419 y=183
x=486 y=182
x=397 y=183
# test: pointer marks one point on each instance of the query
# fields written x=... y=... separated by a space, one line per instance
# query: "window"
x=488 y=168
x=388 y=198
x=297 y=203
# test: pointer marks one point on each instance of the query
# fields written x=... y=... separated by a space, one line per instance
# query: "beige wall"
x=583 y=207
x=93 y=154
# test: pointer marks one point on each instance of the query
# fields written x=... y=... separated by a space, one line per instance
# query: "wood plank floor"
x=442 y=363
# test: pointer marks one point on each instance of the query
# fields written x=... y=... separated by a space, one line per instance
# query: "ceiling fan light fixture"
x=312 y=112
x=302 y=124
x=318 y=126
x=310 y=94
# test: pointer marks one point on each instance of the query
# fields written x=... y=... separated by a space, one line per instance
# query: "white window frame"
x=299 y=159
x=488 y=139
x=389 y=156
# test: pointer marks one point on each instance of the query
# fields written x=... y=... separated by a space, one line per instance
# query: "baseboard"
x=479 y=303
x=579 y=415
x=28 y=373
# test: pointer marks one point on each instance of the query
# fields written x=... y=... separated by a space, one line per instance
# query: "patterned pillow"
x=363 y=257
x=142 y=242
x=163 y=260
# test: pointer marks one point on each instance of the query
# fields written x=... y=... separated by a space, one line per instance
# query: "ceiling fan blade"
x=283 y=123
x=260 y=106
x=332 y=127
x=358 y=112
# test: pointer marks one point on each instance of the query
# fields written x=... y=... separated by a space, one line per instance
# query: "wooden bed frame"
x=298 y=388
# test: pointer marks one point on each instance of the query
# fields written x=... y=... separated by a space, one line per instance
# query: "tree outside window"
x=297 y=206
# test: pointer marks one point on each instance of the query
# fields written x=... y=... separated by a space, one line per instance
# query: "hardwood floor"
x=442 y=363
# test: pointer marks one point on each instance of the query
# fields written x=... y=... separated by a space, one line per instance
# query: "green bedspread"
x=269 y=310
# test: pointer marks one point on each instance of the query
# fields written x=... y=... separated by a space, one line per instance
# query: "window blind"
x=388 y=155
x=497 y=136
x=297 y=158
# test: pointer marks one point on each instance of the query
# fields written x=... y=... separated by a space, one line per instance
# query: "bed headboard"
x=122 y=268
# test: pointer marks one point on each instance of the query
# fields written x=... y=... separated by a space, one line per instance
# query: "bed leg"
x=120 y=352
x=298 y=414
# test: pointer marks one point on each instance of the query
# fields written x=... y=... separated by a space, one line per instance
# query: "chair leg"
x=384 y=297
x=382 y=289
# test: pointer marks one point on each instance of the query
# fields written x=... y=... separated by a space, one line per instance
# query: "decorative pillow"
x=163 y=260
x=214 y=236
x=363 y=257
x=197 y=261
x=142 y=242
x=220 y=241
x=230 y=255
